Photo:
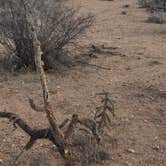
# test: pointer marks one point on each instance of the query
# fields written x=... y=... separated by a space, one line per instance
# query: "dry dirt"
x=136 y=82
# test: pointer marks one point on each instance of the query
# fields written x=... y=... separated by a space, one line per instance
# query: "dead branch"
x=33 y=133
x=104 y=50
x=59 y=140
x=93 y=65
x=35 y=107
x=58 y=136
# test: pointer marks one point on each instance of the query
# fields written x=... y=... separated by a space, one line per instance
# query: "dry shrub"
x=57 y=25
x=160 y=4
x=88 y=152
x=144 y=3
x=156 y=8
x=158 y=17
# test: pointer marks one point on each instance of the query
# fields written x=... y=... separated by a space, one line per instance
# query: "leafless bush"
x=88 y=152
x=158 y=17
x=57 y=26
x=144 y=3
x=156 y=8
x=153 y=4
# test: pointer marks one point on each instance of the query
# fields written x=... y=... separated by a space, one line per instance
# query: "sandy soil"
x=136 y=82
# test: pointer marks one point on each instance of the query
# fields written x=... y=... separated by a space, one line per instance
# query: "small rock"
x=58 y=87
x=145 y=120
x=1 y=161
x=156 y=138
x=123 y=12
x=54 y=146
x=78 y=105
x=156 y=147
x=132 y=116
x=131 y=150
x=126 y=120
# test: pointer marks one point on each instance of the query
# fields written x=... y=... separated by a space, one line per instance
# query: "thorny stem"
x=61 y=142
x=39 y=65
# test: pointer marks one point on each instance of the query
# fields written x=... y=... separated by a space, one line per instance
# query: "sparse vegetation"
x=52 y=118
x=54 y=133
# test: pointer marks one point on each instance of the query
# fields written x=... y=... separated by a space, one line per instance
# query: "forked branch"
x=33 y=133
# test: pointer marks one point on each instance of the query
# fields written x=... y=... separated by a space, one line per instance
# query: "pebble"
x=157 y=147
x=58 y=87
x=156 y=138
x=131 y=150
x=145 y=120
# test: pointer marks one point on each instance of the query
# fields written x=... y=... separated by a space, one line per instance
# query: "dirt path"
x=136 y=81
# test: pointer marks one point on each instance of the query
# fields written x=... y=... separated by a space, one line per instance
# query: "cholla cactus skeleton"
x=102 y=117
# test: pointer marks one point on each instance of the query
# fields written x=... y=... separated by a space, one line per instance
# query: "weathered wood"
x=58 y=136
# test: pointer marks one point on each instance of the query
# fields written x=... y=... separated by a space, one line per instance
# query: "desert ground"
x=136 y=81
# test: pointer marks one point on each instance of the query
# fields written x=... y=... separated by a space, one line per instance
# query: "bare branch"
x=36 y=107
x=33 y=133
